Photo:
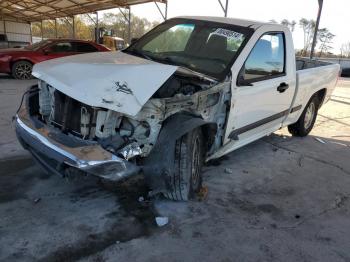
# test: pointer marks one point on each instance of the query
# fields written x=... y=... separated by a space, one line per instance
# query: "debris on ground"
x=339 y=200
x=203 y=193
x=162 y=221
x=299 y=161
x=320 y=140
x=228 y=170
x=141 y=199
x=338 y=143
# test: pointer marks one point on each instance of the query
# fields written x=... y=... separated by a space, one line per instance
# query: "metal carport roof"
x=37 y=10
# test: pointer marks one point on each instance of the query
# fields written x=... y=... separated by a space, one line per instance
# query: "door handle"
x=282 y=87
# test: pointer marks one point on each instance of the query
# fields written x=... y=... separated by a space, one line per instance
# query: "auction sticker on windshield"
x=228 y=34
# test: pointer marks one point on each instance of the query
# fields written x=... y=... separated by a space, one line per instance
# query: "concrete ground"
x=279 y=199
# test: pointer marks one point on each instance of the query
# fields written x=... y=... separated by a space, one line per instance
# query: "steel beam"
x=129 y=26
x=31 y=33
x=41 y=30
x=97 y=33
x=73 y=25
x=165 y=14
x=55 y=28
x=320 y=4
x=128 y=20
x=224 y=8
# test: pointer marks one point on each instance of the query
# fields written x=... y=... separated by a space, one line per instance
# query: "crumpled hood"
x=112 y=80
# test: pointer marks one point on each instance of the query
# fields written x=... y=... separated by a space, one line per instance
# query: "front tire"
x=307 y=119
x=186 y=179
x=22 y=70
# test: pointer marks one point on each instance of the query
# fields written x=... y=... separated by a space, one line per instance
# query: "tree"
x=345 y=50
x=325 y=38
x=289 y=24
x=117 y=22
x=308 y=27
x=85 y=29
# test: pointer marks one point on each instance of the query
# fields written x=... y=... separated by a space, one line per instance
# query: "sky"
x=335 y=14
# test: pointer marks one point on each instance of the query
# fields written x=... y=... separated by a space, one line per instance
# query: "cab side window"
x=266 y=60
x=62 y=47
x=84 y=47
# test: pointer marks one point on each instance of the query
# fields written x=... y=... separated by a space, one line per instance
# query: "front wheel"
x=22 y=70
x=307 y=119
x=186 y=179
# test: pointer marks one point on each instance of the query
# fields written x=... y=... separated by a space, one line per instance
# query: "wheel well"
x=321 y=94
x=209 y=131
x=19 y=60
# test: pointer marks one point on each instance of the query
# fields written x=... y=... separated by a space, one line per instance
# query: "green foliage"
x=85 y=29
x=170 y=41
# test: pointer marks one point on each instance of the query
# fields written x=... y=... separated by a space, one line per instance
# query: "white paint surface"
x=91 y=79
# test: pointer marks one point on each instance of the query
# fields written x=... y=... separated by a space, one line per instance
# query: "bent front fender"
x=159 y=165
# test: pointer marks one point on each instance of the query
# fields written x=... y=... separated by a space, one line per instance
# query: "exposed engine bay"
x=135 y=136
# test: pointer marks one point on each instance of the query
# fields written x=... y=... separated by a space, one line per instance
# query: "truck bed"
x=306 y=63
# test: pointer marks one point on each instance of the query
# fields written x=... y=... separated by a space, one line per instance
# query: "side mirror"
x=240 y=79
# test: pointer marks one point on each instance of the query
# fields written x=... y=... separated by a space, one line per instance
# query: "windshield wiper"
x=138 y=53
x=185 y=67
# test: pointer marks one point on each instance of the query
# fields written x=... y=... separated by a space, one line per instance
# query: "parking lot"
x=278 y=199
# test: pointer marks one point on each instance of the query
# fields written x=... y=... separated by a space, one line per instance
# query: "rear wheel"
x=307 y=119
x=22 y=70
x=186 y=179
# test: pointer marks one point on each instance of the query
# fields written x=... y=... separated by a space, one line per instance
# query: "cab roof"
x=234 y=21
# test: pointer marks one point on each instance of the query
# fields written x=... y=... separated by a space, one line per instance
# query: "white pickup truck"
x=190 y=90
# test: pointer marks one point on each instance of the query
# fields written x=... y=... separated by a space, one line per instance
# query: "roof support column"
x=128 y=20
x=31 y=33
x=97 y=29
x=73 y=26
x=55 y=28
x=166 y=10
x=320 y=4
x=96 y=32
x=41 y=30
x=224 y=8
x=165 y=14
x=5 y=32
x=129 y=25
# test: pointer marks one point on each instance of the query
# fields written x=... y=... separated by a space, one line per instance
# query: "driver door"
x=263 y=92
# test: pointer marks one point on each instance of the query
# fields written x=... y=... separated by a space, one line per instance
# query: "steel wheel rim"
x=23 y=71
x=195 y=176
x=309 y=115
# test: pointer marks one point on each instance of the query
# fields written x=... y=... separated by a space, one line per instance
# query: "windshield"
x=206 y=47
x=38 y=45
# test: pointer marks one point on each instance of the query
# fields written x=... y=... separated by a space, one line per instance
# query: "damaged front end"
x=67 y=135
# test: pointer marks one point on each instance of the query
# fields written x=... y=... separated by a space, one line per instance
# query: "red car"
x=19 y=61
